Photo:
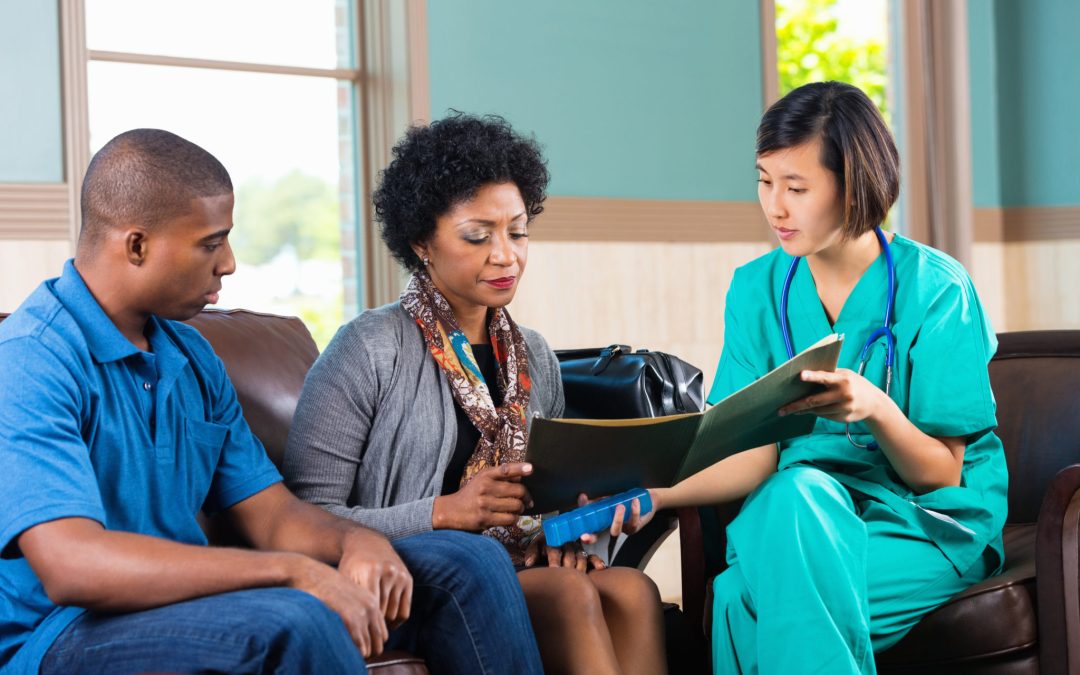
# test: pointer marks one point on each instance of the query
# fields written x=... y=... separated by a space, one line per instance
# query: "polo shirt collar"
x=104 y=339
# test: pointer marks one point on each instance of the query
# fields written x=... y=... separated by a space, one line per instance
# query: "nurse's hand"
x=848 y=397
x=636 y=521
x=633 y=524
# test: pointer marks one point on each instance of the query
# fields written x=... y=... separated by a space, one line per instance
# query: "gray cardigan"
x=375 y=426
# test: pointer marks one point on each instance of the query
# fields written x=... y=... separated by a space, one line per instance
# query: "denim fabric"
x=263 y=630
x=468 y=612
x=468 y=616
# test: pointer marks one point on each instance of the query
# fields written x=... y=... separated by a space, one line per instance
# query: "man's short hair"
x=146 y=177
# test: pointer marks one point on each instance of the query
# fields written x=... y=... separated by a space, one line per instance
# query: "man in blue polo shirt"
x=117 y=425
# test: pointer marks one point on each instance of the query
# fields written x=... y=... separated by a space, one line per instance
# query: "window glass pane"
x=281 y=32
x=845 y=40
x=278 y=135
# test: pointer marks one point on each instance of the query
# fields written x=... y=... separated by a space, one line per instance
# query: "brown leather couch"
x=1027 y=619
x=267 y=358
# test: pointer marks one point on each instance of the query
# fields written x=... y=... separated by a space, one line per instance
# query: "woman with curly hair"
x=416 y=416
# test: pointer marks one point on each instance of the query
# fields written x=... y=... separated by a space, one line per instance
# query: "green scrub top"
x=940 y=381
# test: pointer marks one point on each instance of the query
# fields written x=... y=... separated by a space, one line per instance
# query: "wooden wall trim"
x=38 y=212
x=605 y=219
x=1041 y=223
x=988 y=225
x=1027 y=223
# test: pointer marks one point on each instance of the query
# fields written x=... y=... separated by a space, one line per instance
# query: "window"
x=270 y=88
x=845 y=40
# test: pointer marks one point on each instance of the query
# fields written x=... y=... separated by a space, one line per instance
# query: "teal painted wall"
x=1038 y=66
x=31 y=131
x=631 y=98
x=982 y=67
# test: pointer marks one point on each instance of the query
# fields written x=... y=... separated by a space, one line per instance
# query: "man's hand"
x=358 y=606
x=369 y=573
x=495 y=496
x=369 y=561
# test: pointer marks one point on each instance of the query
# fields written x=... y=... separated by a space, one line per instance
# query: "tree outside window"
x=844 y=40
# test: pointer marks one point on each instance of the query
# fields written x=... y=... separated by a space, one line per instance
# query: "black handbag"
x=616 y=382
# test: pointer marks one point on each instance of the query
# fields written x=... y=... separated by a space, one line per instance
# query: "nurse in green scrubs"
x=844 y=543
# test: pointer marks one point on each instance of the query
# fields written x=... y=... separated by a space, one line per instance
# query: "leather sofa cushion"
x=990 y=619
x=267 y=358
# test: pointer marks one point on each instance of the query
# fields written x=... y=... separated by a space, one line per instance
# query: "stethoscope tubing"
x=885 y=330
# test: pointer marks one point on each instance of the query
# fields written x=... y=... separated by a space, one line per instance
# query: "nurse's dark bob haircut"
x=855 y=145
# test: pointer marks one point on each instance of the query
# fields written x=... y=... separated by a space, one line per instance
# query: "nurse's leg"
x=801 y=549
x=908 y=576
x=734 y=632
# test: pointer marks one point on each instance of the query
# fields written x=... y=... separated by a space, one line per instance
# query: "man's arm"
x=274 y=519
x=81 y=563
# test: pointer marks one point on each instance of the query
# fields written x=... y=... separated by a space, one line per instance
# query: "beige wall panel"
x=1042 y=278
x=25 y=264
x=988 y=272
x=663 y=296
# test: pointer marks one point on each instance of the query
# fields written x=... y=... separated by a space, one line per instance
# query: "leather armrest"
x=1057 y=563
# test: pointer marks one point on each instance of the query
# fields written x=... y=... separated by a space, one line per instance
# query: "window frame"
x=389 y=91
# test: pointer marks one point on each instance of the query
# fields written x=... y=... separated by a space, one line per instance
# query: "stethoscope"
x=885 y=329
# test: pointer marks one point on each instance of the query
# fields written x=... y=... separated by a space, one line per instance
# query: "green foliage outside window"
x=297 y=214
x=809 y=49
x=297 y=210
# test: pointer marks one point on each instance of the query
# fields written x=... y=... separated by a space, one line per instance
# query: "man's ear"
x=135 y=245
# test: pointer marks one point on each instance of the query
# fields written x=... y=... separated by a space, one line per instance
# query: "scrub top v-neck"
x=940 y=382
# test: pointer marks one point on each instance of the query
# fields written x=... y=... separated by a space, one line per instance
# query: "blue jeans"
x=468 y=616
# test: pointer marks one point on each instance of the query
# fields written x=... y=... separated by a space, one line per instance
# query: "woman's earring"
x=426 y=261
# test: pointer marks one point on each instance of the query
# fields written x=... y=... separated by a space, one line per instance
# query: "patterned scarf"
x=502 y=430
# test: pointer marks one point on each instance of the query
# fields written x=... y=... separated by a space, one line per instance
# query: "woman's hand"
x=848 y=397
x=571 y=554
x=494 y=497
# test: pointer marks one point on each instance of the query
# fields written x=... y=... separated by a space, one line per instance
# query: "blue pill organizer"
x=567 y=527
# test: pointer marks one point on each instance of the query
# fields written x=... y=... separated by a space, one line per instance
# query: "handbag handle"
x=606 y=354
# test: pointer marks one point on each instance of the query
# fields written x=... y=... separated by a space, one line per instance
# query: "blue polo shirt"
x=92 y=427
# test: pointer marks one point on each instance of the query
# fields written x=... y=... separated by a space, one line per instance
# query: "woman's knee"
x=626 y=586
x=562 y=590
x=457 y=561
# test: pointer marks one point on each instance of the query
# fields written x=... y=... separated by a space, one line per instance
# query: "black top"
x=467 y=434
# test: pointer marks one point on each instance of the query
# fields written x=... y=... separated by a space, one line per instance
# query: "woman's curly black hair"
x=445 y=163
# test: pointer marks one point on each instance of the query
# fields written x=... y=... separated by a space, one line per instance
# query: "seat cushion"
x=991 y=619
